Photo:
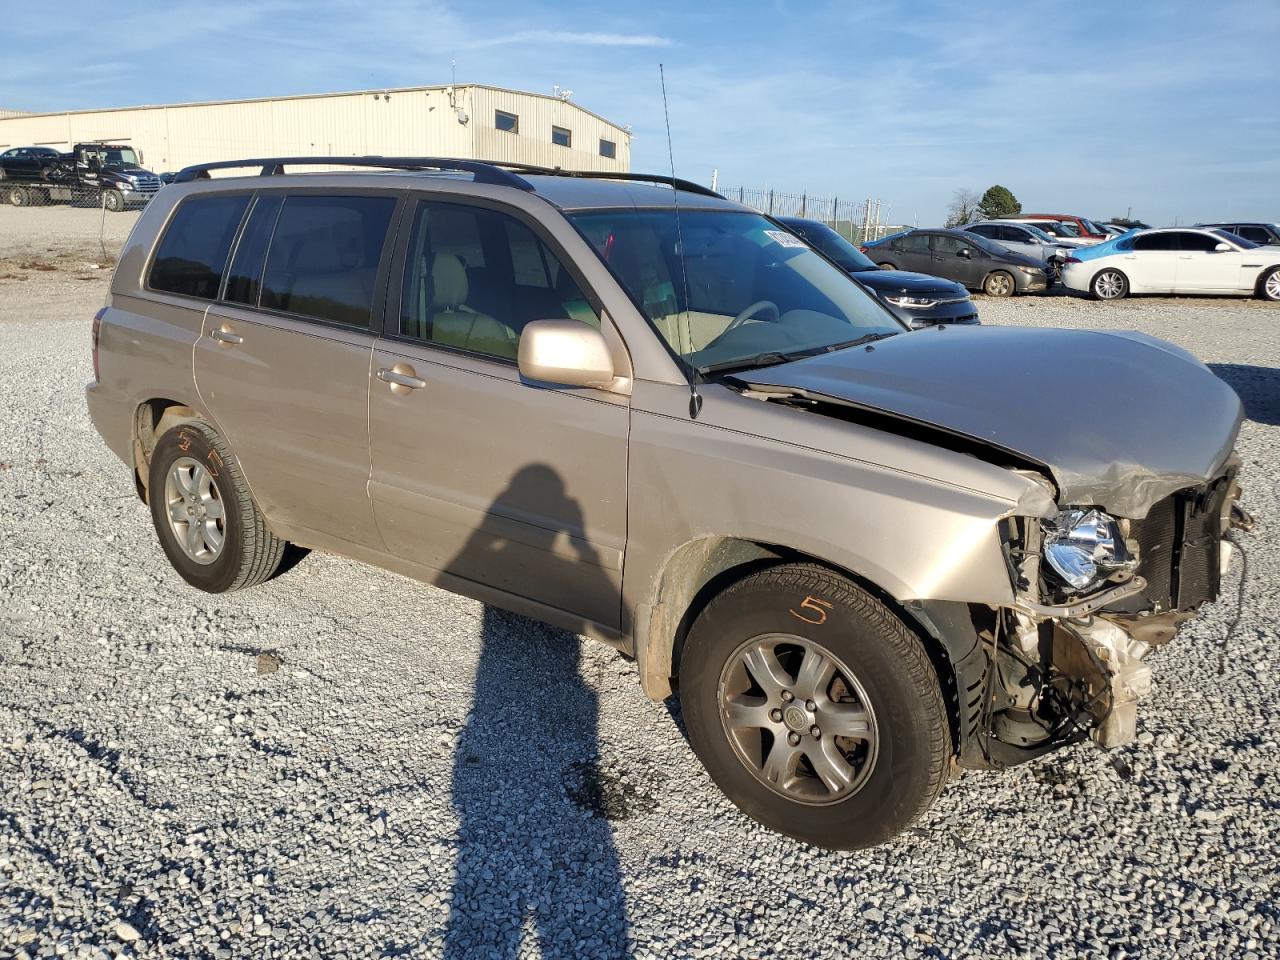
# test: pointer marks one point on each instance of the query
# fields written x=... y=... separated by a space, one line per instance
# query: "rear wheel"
x=1110 y=285
x=18 y=196
x=998 y=284
x=209 y=527
x=814 y=708
x=887 y=266
x=1269 y=287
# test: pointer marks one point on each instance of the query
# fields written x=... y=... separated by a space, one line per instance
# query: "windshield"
x=749 y=293
x=1064 y=229
x=1092 y=227
x=1238 y=241
x=832 y=244
x=115 y=157
x=987 y=244
x=1036 y=232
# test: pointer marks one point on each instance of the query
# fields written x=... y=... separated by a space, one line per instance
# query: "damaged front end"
x=1094 y=594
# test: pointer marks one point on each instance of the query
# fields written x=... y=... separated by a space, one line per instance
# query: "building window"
x=561 y=137
x=608 y=149
x=506 y=121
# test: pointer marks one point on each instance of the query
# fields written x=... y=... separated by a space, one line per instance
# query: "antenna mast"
x=695 y=398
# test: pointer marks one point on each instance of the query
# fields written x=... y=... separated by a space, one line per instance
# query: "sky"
x=1164 y=107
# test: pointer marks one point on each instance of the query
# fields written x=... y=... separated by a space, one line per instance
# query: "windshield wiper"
x=769 y=359
x=866 y=338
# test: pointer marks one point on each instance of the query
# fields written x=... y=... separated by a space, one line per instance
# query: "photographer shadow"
x=531 y=855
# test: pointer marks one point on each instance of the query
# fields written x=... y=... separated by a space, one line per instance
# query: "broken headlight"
x=1084 y=547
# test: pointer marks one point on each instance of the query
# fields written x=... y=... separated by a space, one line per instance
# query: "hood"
x=890 y=282
x=1120 y=420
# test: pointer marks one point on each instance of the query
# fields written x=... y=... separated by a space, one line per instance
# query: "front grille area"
x=1178 y=547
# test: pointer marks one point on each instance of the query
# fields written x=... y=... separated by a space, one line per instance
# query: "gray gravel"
x=343 y=763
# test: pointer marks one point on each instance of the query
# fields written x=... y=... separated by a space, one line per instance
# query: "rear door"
x=1202 y=268
x=283 y=362
x=1152 y=267
x=502 y=485
x=915 y=253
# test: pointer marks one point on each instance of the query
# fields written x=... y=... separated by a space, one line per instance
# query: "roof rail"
x=274 y=166
x=686 y=185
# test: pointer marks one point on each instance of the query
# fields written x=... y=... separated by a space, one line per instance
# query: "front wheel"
x=113 y=200
x=1269 y=288
x=1110 y=285
x=998 y=284
x=18 y=196
x=814 y=708
x=209 y=527
x=887 y=266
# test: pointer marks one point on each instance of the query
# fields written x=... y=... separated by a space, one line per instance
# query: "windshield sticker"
x=785 y=239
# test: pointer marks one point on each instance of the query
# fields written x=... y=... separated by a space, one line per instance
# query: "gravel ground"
x=342 y=763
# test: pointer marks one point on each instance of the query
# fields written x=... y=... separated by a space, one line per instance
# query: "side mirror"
x=963 y=253
x=566 y=352
x=1222 y=248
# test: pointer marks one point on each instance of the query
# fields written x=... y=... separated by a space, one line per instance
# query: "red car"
x=1088 y=229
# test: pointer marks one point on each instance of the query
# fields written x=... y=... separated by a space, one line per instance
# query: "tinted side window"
x=1256 y=234
x=323 y=260
x=1197 y=241
x=986 y=230
x=481 y=303
x=1155 y=241
x=245 y=276
x=1015 y=235
x=948 y=246
x=193 y=251
x=915 y=243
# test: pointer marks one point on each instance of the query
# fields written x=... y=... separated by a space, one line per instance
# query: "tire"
x=1109 y=284
x=999 y=283
x=887 y=266
x=1269 y=285
x=239 y=550
x=893 y=771
x=18 y=196
x=113 y=200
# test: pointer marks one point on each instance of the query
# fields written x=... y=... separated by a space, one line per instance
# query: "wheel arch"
x=151 y=420
x=1263 y=274
x=701 y=569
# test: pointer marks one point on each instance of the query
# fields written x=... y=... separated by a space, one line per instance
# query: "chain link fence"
x=857 y=220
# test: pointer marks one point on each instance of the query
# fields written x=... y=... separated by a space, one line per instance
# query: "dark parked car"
x=1267 y=234
x=914 y=298
x=976 y=262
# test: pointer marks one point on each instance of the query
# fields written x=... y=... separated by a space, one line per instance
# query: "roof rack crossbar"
x=274 y=166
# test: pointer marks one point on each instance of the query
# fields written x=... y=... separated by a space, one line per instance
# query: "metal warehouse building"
x=469 y=121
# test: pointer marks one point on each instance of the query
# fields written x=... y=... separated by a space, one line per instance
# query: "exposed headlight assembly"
x=1085 y=547
x=911 y=303
x=1031 y=271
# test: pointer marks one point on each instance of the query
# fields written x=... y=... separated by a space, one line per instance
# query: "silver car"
x=632 y=409
x=1027 y=239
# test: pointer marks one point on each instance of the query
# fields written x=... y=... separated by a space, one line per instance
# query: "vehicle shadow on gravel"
x=1258 y=387
x=535 y=849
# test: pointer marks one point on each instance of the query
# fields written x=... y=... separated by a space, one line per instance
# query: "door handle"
x=226 y=336
x=398 y=379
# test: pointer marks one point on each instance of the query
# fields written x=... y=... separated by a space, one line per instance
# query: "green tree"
x=998 y=202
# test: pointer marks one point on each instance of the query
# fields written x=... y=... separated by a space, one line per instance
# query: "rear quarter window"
x=192 y=253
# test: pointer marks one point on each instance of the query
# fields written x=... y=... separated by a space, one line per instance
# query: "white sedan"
x=1174 y=261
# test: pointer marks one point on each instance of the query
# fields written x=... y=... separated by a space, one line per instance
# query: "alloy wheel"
x=194 y=506
x=1273 y=286
x=1108 y=285
x=798 y=718
x=999 y=285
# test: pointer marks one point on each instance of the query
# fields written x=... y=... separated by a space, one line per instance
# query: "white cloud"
x=572 y=38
